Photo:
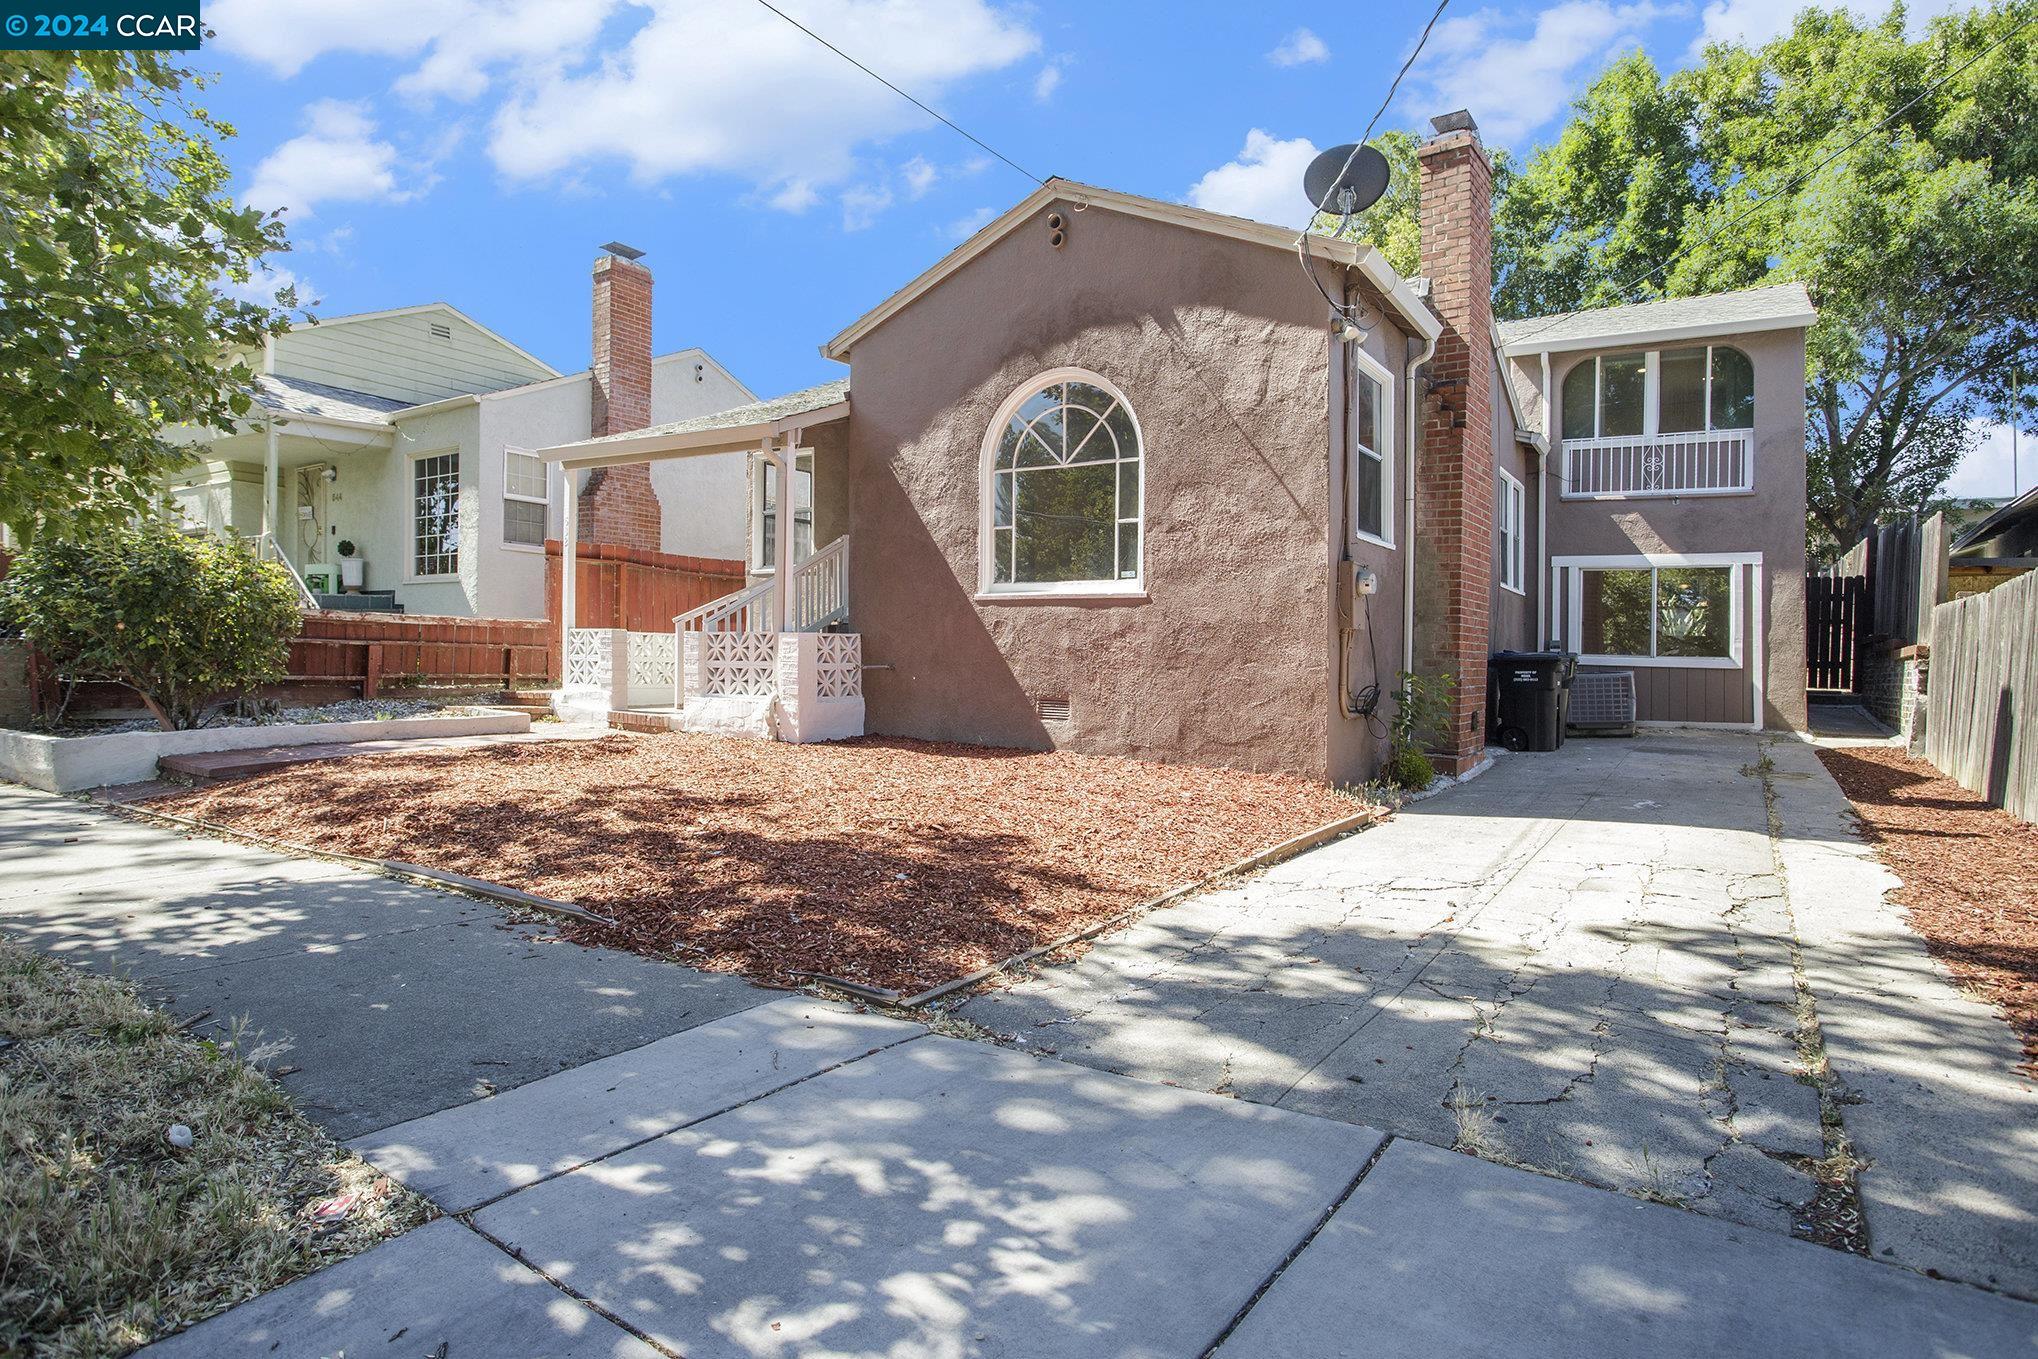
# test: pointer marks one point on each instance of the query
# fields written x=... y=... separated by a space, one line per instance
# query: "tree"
x=183 y=621
x=1918 y=240
x=119 y=241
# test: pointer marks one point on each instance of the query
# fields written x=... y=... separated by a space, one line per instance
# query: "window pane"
x=1367 y=430
x=1001 y=561
x=1621 y=390
x=1128 y=490
x=1093 y=399
x=1087 y=440
x=1034 y=451
x=1039 y=404
x=1694 y=610
x=1615 y=617
x=1066 y=524
x=523 y=522
x=523 y=475
x=1001 y=508
x=1680 y=403
x=1367 y=494
x=1119 y=423
x=1578 y=401
x=435 y=515
x=1128 y=551
x=1733 y=389
x=1008 y=444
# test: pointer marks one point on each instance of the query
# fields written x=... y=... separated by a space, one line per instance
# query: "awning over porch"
x=740 y=429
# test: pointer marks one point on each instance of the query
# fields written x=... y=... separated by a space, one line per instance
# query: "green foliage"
x=119 y=237
x=1422 y=710
x=181 y=621
x=1919 y=245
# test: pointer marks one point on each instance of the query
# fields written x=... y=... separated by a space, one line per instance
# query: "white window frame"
x=410 y=500
x=1746 y=572
x=502 y=531
x=1376 y=370
x=989 y=590
x=761 y=470
x=1510 y=516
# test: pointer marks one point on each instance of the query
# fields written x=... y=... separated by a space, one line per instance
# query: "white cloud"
x=337 y=158
x=863 y=205
x=1049 y=79
x=773 y=106
x=1264 y=183
x=1753 y=22
x=1515 y=81
x=919 y=174
x=1300 y=48
x=1987 y=469
x=266 y=281
x=458 y=39
x=966 y=226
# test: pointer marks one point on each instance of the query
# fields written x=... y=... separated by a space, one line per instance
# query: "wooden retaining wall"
x=378 y=651
x=1980 y=726
x=623 y=587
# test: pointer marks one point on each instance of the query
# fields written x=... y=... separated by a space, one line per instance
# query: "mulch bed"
x=1969 y=870
x=893 y=863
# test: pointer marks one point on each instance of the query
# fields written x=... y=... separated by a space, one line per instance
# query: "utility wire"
x=1798 y=181
x=901 y=93
x=1302 y=237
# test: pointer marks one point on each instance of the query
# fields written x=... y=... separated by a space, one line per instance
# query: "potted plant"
x=353 y=570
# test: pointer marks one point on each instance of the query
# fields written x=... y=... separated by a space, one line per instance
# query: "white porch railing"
x=267 y=550
x=817 y=597
x=1719 y=462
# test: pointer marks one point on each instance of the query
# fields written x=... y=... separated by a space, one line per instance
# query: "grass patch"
x=109 y=1235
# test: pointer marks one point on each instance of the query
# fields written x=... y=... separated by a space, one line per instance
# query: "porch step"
x=368 y=601
x=664 y=719
x=218 y=766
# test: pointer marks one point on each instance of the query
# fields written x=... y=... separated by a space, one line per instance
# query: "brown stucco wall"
x=1512 y=626
x=1221 y=348
x=1770 y=521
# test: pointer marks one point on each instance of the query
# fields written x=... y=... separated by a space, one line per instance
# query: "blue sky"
x=478 y=151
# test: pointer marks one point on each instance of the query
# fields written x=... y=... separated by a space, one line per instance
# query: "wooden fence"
x=1835 y=629
x=379 y=650
x=623 y=587
x=1979 y=726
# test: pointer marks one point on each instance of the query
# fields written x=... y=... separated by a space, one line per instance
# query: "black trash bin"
x=1527 y=693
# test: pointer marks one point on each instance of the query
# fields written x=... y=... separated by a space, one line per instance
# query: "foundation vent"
x=1052 y=709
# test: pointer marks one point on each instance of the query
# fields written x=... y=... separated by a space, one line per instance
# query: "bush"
x=1422 y=711
x=181 y=621
x=1409 y=768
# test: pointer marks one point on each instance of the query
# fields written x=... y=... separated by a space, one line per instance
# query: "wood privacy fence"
x=1979 y=724
x=379 y=650
x=623 y=587
x=1835 y=622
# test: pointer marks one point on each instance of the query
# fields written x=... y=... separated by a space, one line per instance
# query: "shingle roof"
x=756 y=413
x=300 y=396
x=1770 y=308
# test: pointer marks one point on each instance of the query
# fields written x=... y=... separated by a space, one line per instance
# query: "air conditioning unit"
x=1602 y=703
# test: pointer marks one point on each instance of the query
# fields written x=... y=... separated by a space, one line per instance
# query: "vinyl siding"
x=399 y=357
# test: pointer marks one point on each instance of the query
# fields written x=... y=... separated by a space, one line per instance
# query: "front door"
x=312 y=509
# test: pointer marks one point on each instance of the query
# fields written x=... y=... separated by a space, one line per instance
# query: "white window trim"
x=410 y=515
x=507 y=494
x=760 y=468
x=1072 y=591
x=1748 y=566
x=1515 y=565
x=1378 y=372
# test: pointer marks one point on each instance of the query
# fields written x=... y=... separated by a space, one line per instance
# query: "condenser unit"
x=1602 y=703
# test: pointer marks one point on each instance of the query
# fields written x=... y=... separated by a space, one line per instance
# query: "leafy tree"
x=1918 y=241
x=183 y=621
x=118 y=242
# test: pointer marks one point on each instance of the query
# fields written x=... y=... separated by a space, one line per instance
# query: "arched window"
x=1062 y=490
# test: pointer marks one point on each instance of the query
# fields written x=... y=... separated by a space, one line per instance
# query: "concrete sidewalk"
x=802 y=1180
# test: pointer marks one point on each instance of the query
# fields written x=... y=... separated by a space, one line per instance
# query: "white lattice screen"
x=839 y=665
x=741 y=662
x=589 y=660
x=653 y=660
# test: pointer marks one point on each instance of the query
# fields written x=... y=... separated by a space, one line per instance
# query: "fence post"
x=371 y=682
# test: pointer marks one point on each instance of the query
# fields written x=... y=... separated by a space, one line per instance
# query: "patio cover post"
x=782 y=554
x=270 y=471
x=569 y=568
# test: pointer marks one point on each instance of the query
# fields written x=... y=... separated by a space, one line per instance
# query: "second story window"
x=1659 y=422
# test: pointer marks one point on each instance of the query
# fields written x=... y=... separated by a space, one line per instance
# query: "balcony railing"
x=1716 y=462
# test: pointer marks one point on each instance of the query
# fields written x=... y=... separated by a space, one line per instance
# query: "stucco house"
x=1126 y=477
x=410 y=434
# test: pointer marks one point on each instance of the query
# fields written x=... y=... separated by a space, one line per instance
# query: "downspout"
x=1414 y=404
x=1542 y=636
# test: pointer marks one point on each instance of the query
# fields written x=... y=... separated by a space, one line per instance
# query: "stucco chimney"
x=1454 y=471
x=618 y=505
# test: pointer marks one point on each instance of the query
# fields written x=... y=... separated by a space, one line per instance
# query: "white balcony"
x=1715 y=462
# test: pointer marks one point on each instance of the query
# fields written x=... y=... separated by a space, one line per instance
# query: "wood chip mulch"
x=893 y=863
x=1969 y=870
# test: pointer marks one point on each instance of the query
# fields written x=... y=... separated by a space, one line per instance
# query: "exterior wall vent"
x=1052 y=709
x=441 y=331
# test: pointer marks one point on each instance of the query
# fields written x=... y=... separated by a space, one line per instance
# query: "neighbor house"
x=1132 y=478
x=410 y=435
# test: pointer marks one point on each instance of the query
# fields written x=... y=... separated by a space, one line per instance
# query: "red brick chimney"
x=1454 y=468
x=618 y=505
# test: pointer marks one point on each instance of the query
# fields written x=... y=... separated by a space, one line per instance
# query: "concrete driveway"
x=1607 y=963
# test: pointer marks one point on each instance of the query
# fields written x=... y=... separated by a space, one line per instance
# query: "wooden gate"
x=1836 y=621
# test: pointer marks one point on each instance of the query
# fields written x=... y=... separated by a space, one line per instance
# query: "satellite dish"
x=1344 y=189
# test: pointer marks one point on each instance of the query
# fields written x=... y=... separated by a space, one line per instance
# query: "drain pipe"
x=1414 y=404
x=1543 y=615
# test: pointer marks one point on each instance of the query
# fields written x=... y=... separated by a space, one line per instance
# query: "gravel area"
x=1969 y=870
x=894 y=863
x=347 y=710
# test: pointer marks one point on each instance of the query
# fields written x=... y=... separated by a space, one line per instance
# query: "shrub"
x=181 y=621
x=1409 y=768
x=1422 y=709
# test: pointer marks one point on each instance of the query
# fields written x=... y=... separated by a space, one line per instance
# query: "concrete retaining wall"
x=64 y=764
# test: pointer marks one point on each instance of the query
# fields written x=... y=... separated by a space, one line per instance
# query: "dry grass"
x=892 y=863
x=110 y=1236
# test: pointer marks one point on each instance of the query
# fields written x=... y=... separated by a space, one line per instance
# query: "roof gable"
x=1780 y=306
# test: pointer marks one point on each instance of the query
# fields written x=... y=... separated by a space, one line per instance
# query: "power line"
x=1625 y=291
x=957 y=127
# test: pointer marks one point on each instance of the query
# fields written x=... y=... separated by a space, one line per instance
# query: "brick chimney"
x=1454 y=468
x=618 y=505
